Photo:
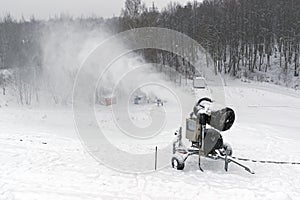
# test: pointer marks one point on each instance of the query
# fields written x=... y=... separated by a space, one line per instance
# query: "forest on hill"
x=252 y=39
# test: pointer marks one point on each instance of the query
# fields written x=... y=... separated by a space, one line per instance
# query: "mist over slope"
x=65 y=47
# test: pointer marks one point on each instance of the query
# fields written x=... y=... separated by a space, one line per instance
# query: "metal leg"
x=229 y=159
x=199 y=160
x=241 y=165
x=199 y=164
x=226 y=163
x=202 y=146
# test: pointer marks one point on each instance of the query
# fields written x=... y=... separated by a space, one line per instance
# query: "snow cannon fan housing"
x=222 y=120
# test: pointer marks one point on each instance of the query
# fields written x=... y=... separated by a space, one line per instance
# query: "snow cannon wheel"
x=227 y=149
x=177 y=163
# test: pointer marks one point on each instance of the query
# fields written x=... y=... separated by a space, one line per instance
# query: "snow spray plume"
x=107 y=64
x=66 y=45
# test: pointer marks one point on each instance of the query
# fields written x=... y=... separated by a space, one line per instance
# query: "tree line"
x=245 y=38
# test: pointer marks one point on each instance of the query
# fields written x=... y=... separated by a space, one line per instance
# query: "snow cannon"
x=203 y=129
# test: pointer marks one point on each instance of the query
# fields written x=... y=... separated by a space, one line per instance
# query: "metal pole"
x=202 y=137
x=155 y=167
x=180 y=137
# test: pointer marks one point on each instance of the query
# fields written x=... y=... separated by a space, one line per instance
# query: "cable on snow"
x=266 y=161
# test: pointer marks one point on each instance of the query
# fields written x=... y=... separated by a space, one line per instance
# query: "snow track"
x=42 y=157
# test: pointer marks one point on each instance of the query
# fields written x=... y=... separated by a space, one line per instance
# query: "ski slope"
x=41 y=156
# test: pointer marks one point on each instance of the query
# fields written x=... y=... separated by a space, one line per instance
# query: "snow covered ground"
x=41 y=156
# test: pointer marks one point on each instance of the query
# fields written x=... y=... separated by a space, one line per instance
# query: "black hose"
x=203 y=99
x=266 y=161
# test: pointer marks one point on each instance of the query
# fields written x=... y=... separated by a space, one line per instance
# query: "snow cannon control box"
x=193 y=129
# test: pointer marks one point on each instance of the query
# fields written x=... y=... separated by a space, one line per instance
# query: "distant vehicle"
x=137 y=99
x=108 y=100
x=105 y=96
x=199 y=82
x=159 y=102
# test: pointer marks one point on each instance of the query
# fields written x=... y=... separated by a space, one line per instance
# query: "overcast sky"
x=42 y=9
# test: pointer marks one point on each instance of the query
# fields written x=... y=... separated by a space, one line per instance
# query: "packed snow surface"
x=42 y=157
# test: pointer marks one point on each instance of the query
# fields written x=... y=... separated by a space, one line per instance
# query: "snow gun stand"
x=205 y=142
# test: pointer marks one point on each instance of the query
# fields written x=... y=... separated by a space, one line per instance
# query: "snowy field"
x=41 y=156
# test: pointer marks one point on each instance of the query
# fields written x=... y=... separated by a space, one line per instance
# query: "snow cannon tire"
x=177 y=164
x=228 y=149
